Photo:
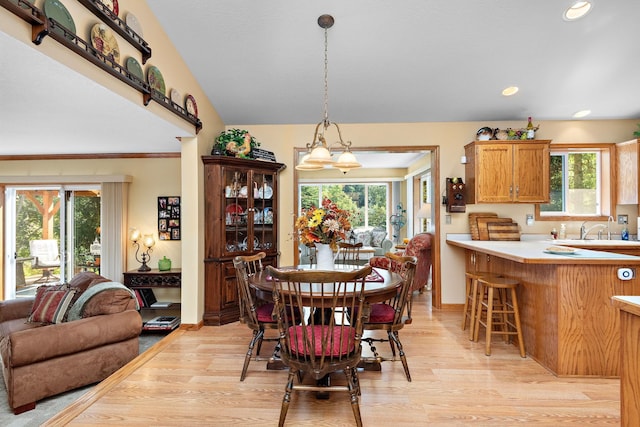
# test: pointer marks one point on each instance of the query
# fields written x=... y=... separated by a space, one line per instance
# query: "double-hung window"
x=580 y=183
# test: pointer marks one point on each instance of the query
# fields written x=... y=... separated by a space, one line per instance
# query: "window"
x=368 y=201
x=579 y=183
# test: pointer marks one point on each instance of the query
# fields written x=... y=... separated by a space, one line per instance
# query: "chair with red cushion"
x=256 y=314
x=321 y=344
x=390 y=316
x=420 y=247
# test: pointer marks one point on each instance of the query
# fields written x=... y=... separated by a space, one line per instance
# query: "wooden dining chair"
x=349 y=253
x=317 y=346
x=254 y=313
x=390 y=315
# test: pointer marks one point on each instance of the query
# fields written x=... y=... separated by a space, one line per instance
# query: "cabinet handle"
x=510 y=190
x=517 y=190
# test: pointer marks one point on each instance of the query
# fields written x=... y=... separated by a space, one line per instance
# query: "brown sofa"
x=45 y=359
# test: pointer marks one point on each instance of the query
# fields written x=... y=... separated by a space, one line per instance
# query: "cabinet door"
x=531 y=173
x=265 y=211
x=627 y=159
x=236 y=210
x=494 y=173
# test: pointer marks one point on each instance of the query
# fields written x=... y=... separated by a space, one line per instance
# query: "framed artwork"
x=169 y=218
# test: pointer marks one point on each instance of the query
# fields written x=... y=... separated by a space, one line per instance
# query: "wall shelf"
x=41 y=26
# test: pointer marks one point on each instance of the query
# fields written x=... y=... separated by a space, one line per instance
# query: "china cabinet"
x=507 y=171
x=241 y=218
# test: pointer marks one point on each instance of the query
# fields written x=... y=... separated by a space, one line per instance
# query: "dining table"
x=381 y=285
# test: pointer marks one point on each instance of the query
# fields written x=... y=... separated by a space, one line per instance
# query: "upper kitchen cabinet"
x=627 y=159
x=507 y=171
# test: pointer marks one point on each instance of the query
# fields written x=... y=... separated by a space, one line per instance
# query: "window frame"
x=606 y=178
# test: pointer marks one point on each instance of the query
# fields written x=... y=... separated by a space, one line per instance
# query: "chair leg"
x=516 y=315
x=472 y=313
x=257 y=337
x=489 y=322
x=287 y=398
x=353 y=391
x=395 y=337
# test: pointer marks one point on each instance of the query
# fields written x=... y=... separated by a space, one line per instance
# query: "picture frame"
x=169 y=218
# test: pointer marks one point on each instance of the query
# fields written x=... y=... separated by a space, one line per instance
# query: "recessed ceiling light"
x=577 y=10
x=511 y=90
x=582 y=113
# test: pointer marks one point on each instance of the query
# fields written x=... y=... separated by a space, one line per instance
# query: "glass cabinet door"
x=236 y=210
x=264 y=212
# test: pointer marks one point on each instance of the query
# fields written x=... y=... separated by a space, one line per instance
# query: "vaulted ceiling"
x=261 y=62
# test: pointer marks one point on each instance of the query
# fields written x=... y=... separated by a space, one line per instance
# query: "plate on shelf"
x=244 y=192
x=103 y=40
x=257 y=216
x=132 y=22
x=256 y=243
x=175 y=96
x=560 y=250
x=133 y=67
x=22 y=5
x=234 y=209
x=112 y=5
x=55 y=10
x=191 y=106
x=266 y=192
x=155 y=80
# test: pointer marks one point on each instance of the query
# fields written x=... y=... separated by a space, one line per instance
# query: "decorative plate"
x=155 y=80
x=175 y=96
x=257 y=216
x=256 y=243
x=112 y=5
x=55 y=10
x=267 y=216
x=133 y=67
x=22 y=5
x=266 y=192
x=244 y=192
x=103 y=40
x=234 y=209
x=191 y=106
x=133 y=23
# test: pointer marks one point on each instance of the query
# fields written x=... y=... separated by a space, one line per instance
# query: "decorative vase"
x=324 y=257
x=164 y=264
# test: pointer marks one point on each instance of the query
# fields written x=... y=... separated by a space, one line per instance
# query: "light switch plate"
x=529 y=219
x=623 y=219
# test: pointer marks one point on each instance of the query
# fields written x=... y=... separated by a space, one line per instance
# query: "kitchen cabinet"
x=241 y=218
x=507 y=171
x=627 y=159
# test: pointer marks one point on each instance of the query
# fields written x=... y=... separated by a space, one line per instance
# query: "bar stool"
x=470 y=307
x=506 y=309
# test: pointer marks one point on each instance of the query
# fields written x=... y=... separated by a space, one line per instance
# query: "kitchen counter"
x=630 y=358
x=569 y=324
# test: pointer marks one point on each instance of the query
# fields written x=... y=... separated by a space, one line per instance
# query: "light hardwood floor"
x=192 y=378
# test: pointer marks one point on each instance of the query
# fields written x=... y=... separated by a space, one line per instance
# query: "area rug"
x=47 y=408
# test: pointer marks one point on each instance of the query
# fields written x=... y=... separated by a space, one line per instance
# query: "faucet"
x=585 y=231
x=609 y=222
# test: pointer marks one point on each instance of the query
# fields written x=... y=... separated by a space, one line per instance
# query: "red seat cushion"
x=339 y=345
x=381 y=313
x=264 y=313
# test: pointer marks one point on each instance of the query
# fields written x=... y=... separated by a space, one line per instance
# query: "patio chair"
x=45 y=257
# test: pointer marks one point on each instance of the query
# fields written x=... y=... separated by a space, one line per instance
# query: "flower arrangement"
x=327 y=224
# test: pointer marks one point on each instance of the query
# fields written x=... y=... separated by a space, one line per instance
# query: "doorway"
x=52 y=233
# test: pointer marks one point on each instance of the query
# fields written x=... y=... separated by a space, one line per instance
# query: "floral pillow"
x=364 y=238
x=51 y=304
x=377 y=237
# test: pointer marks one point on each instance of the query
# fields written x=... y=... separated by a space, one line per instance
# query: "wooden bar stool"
x=470 y=302
x=505 y=309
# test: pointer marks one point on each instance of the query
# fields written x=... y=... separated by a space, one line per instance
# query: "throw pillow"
x=364 y=238
x=51 y=304
x=377 y=237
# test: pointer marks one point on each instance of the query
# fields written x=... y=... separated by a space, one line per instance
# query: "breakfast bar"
x=569 y=323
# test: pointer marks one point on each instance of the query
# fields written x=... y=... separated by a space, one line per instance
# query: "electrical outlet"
x=447 y=219
x=529 y=219
x=623 y=219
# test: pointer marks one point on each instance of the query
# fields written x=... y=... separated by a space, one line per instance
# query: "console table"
x=153 y=279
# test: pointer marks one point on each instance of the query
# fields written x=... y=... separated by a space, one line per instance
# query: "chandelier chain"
x=326 y=80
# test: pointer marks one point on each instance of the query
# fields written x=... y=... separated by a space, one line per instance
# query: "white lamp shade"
x=134 y=235
x=304 y=165
x=148 y=241
x=425 y=211
x=347 y=161
x=320 y=155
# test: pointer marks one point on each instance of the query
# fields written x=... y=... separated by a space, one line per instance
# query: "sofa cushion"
x=377 y=237
x=101 y=298
x=363 y=237
x=51 y=304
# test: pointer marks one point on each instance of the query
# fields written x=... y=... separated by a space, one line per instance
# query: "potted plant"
x=637 y=133
x=235 y=142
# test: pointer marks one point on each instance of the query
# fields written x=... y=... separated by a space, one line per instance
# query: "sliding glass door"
x=51 y=234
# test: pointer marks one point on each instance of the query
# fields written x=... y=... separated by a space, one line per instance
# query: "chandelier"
x=319 y=153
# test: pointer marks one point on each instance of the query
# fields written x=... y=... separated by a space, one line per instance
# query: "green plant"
x=232 y=143
x=637 y=133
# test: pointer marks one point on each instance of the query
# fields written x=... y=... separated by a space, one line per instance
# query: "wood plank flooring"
x=192 y=378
